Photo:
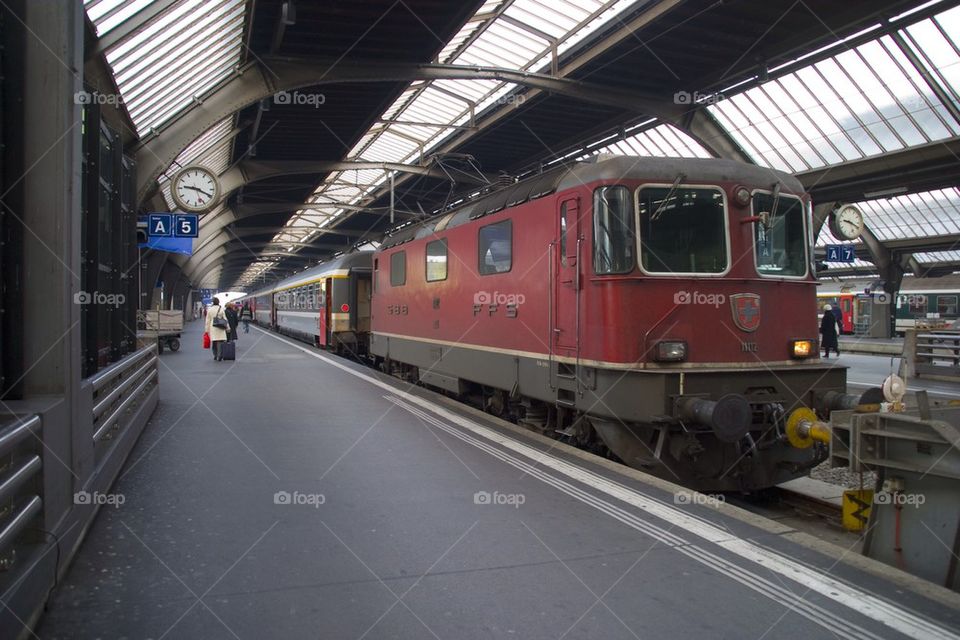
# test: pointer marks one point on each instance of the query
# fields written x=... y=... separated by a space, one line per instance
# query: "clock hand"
x=198 y=190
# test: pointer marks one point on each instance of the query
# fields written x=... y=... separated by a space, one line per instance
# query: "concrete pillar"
x=51 y=212
x=170 y=275
x=149 y=294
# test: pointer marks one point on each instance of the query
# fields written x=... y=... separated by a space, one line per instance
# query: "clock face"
x=848 y=223
x=195 y=189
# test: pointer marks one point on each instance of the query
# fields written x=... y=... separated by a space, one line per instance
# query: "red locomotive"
x=660 y=309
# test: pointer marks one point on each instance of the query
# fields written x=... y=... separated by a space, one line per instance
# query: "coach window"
x=437 y=260
x=398 y=269
x=947 y=305
x=613 y=234
x=918 y=304
x=682 y=230
x=495 y=247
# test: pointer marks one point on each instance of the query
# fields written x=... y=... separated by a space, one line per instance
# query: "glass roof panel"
x=933 y=257
x=917 y=215
x=508 y=34
x=861 y=102
x=937 y=40
x=662 y=140
x=181 y=54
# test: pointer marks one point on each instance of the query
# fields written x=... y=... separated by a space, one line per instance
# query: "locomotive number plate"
x=397 y=309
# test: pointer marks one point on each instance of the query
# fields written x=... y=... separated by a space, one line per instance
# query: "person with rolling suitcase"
x=216 y=325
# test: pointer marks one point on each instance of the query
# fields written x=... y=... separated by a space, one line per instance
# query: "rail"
x=20 y=499
x=932 y=354
x=118 y=387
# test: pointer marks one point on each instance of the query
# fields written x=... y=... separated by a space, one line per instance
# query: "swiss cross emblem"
x=746 y=310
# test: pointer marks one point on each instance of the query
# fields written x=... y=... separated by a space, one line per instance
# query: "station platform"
x=292 y=494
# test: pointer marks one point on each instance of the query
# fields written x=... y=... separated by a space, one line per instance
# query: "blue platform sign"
x=160 y=224
x=185 y=225
x=841 y=253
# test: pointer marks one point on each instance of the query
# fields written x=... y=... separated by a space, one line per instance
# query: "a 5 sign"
x=173 y=225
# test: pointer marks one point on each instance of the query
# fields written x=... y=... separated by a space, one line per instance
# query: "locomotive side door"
x=567 y=282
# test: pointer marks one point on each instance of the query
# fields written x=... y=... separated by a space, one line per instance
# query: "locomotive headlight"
x=802 y=348
x=671 y=351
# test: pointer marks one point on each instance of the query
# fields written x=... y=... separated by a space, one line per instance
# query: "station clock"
x=195 y=189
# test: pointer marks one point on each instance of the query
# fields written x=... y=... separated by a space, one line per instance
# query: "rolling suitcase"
x=229 y=350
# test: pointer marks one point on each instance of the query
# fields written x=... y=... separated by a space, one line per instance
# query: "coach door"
x=567 y=282
x=323 y=304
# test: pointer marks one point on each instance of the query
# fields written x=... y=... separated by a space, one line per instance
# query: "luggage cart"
x=163 y=326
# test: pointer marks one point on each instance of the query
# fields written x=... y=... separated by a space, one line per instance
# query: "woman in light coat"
x=217 y=335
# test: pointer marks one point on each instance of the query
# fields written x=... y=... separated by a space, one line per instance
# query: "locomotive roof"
x=655 y=169
x=347 y=262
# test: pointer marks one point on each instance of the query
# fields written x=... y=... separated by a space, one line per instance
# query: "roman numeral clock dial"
x=195 y=189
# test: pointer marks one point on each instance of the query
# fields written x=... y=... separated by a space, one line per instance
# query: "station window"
x=437 y=260
x=779 y=241
x=496 y=248
x=682 y=230
x=947 y=305
x=613 y=233
x=398 y=269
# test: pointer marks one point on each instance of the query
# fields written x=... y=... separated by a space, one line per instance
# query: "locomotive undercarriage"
x=687 y=426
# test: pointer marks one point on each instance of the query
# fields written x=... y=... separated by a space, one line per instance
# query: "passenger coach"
x=328 y=305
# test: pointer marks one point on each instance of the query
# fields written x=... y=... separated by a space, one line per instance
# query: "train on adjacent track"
x=920 y=303
x=662 y=311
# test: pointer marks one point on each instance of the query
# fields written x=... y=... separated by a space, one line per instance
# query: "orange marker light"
x=802 y=348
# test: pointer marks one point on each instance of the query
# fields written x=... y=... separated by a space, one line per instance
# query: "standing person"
x=218 y=334
x=233 y=319
x=829 y=329
x=246 y=316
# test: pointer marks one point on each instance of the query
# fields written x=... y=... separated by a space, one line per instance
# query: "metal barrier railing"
x=932 y=353
x=20 y=499
x=117 y=388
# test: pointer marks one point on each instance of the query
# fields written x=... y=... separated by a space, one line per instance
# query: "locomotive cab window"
x=496 y=247
x=779 y=241
x=682 y=230
x=398 y=269
x=436 y=260
x=613 y=234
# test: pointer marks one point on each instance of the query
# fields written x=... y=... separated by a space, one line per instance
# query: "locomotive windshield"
x=682 y=230
x=780 y=242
